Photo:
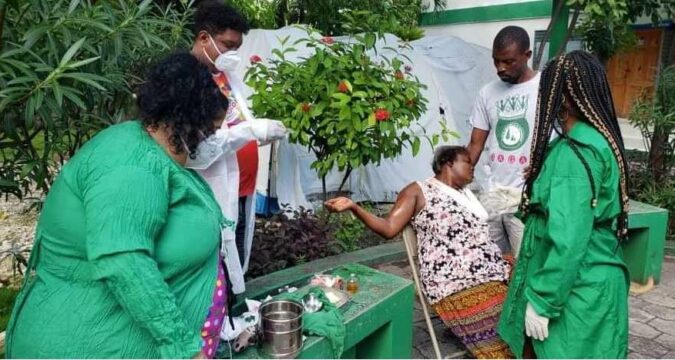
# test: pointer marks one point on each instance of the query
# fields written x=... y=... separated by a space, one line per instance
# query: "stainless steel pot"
x=281 y=328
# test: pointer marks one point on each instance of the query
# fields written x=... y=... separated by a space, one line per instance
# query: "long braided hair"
x=579 y=79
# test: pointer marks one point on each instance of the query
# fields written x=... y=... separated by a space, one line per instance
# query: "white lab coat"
x=222 y=174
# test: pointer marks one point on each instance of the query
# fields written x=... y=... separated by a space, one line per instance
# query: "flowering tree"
x=349 y=110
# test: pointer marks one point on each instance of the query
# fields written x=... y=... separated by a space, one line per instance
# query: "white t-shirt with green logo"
x=508 y=112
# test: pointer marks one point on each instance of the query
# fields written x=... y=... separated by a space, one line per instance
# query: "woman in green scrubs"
x=126 y=251
x=568 y=297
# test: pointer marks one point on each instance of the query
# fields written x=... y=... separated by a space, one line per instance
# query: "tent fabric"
x=453 y=71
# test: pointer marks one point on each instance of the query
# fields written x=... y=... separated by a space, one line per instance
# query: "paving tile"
x=660 y=312
x=642 y=330
x=667 y=341
x=664 y=326
x=659 y=297
x=640 y=315
x=647 y=348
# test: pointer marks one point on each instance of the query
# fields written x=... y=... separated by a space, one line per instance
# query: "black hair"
x=577 y=78
x=510 y=35
x=446 y=154
x=215 y=17
x=180 y=92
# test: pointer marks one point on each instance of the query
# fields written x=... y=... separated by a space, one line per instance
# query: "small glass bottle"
x=352 y=284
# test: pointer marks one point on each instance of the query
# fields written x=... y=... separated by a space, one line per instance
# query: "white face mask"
x=208 y=151
x=226 y=61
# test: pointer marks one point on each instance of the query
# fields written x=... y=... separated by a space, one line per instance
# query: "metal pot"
x=281 y=328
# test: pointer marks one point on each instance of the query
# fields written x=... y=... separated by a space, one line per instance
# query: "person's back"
x=570 y=285
x=67 y=280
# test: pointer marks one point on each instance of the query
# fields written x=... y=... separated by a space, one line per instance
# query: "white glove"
x=266 y=130
x=536 y=326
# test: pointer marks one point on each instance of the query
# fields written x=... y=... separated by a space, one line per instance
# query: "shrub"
x=347 y=109
x=67 y=70
x=290 y=238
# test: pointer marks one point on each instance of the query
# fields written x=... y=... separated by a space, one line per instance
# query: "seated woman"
x=463 y=273
x=125 y=262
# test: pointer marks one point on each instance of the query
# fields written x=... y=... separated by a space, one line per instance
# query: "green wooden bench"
x=378 y=318
x=644 y=249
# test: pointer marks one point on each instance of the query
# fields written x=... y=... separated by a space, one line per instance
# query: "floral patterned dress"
x=454 y=248
x=462 y=270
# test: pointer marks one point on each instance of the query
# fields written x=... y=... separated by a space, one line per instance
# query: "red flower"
x=255 y=59
x=399 y=75
x=381 y=114
x=327 y=40
x=342 y=87
x=305 y=107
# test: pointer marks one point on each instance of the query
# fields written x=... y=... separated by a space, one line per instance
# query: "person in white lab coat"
x=228 y=160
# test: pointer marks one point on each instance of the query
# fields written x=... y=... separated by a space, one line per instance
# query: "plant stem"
x=344 y=179
x=323 y=187
x=3 y=9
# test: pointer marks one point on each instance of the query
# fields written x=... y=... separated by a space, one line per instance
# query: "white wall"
x=483 y=34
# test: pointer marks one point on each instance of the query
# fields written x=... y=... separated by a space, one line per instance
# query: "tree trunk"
x=657 y=155
x=570 y=31
x=323 y=187
x=547 y=34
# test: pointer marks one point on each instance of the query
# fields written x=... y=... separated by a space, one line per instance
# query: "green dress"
x=571 y=268
x=125 y=256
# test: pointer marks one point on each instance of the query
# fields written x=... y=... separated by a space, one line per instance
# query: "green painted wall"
x=517 y=11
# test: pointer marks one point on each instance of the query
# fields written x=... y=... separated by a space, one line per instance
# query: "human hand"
x=275 y=130
x=266 y=130
x=339 y=204
x=536 y=326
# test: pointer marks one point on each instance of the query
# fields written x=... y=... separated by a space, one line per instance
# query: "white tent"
x=453 y=71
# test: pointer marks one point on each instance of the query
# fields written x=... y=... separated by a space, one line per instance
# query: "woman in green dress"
x=126 y=262
x=568 y=297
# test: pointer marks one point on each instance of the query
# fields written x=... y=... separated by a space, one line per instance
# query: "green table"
x=646 y=242
x=378 y=319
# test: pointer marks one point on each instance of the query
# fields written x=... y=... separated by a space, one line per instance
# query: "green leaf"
x=71 y=52
x=33 y=35
x=345 y=113
x=58 y=93
x=89 y=79
x=75 y=99
x=415 y=146
x=369 y=40
x=77 y=64
x=371 y=120
x=73 y=5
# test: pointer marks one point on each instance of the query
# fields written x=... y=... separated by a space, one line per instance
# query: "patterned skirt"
x=472 y=315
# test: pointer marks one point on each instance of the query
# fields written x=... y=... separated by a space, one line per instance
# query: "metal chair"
x=410 y=241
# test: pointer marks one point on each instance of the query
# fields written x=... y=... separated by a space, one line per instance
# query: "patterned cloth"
x=214 y=319
x=454 y=248
x=472 y=315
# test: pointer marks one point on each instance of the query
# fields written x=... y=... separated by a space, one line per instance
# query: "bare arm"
x=477 y=144
x=409 y=202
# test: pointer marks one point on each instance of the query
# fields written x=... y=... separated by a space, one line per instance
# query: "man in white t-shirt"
x=503 y=121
